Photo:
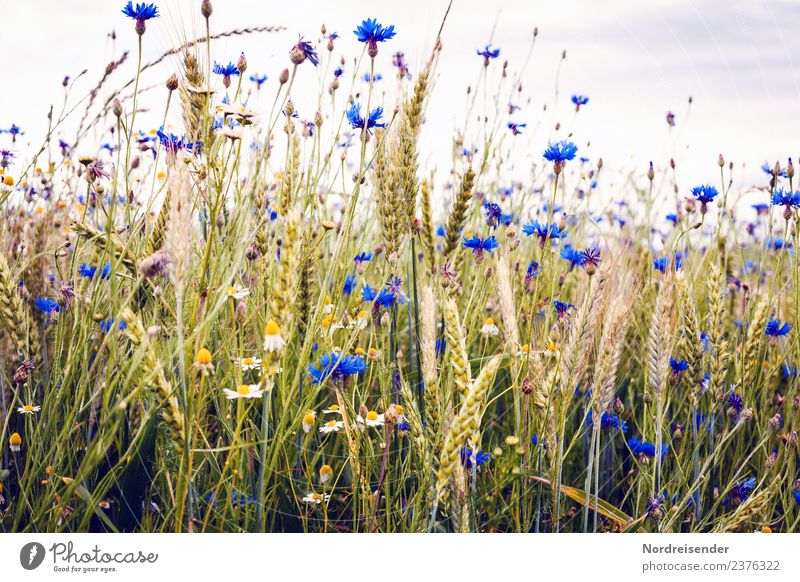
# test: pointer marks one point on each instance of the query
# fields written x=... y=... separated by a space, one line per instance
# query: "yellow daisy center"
x=28 y=408
x=204 y=357
x=243 y=389
x=331 y=423
x=489 y=321
x=326 y=470
x=362 y=314
x=399 y=409
x=360 y=351
x=372 y=415
x=230 y=291
x=327 y=300
x=15 y=439
x=273 y=328
x=334 y=407
x=308 y=419
x=247 y=361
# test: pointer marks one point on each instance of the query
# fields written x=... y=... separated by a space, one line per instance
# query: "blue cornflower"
x=786 y=198
x=531 y=272
x=362 y=258
x=226 y=71
x=336 y=366
x=543 y=231
x=303 y=50
x=368 y=294
x=488 y=53
x=704 y=194
x=479 y=245
x=105 y=271
x=562 y=309
x=394 y=286
x=705 y=341
x=140 y=13
x=654 y=508
x=788 y=372
x=441 y=345
x=639 y=447
x=678 y=366
x=560 y=152
x=46 y=305
x=735 y=405
x=661 y=264
x=174 y=143
x=575 y=257
x=591 y=259
x=338 y=72
x=760 y=208
x=740 y=492
x=375 y=78
x=494 y=213
x=385 y=298
x=87 y=270
x=608 y=421
x=771 y=170
x=258 y=79
x=579 y=100
x=108 y=324
x=350 y=283
x=673 y=218
x=357 y=121
x=481 y=457
x=776 y=329
x=516 y=128
x=371 y=33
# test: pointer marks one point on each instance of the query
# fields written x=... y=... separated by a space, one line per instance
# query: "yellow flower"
x=308 y=420
x=272 y=337
x=203 y=361
x=8 y=180
x=15 y=442
x=325 y=473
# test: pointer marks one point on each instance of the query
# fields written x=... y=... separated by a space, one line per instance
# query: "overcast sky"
x=636 y=60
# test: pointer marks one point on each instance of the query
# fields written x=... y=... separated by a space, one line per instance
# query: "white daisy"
x=489 y=328
x=308 y=421
x=328 y=307
x=316 y=498
x=333 y=409
x=237 y=292
x=359 y=322
x=28 y=409
x=249 y=363
x=272 y=337
x=373 y=419
x=331 y=426
x=244 y=391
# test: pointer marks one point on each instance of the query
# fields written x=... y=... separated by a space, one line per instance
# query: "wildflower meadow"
x=269 y=312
